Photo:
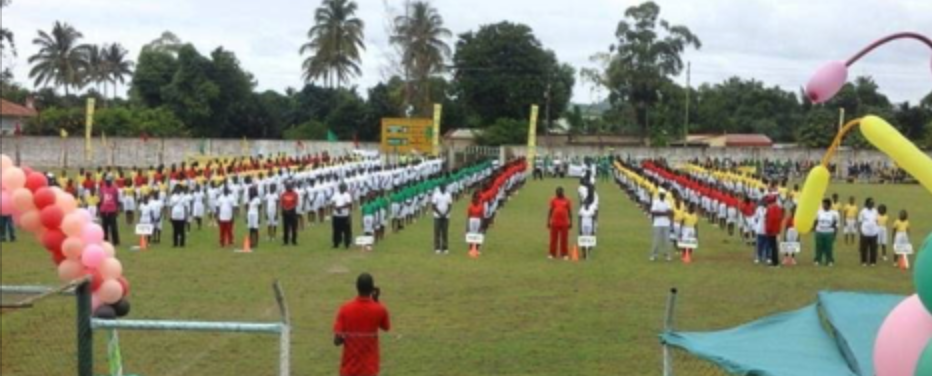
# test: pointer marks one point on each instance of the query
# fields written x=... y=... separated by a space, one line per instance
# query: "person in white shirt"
x=442 y=202
x=198 y=206
x=271 y=211
x=869 y=231
x=342 y=203
x=226 y=204
x=252 y=216
x=587 y=221
x=825 y=228
x=661 y=213
x=179 y=216
x=155 y=213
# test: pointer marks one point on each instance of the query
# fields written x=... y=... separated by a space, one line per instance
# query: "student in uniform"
x=145 y=212
x=689 y=228
x=851 y=221
x=179 y=216
x=226 y=205
x=882 y=233
x=156 y=207
x=129 y=204
x=252 y=216
x=869 y=229
x=198 y=209
x=901 y=233
x=587 y=219
x=271 y=211
x=790 y=235
x=474 y=215
x=826 y=227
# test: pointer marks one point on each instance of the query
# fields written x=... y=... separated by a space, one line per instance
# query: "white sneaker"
x=756 y=261
x=549 y=257
x=438 y=251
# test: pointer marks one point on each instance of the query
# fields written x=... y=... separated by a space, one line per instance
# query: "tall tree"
x=420 y=35
x=502 y=69
x=647 y=51
x=334 y=43
x=118 y=67
x=154 y=71
x=6 y=36
x=61 y=60
x=168 y=42
x=95 y=71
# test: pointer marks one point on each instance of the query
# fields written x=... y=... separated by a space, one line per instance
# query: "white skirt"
x=368 y=224
x=474 y=225
x=882 y=236
x=198 y=210
x=252 y=220
x=271 y=218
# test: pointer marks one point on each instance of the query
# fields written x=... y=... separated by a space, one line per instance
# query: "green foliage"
x=334 y=44
x=745 y=106
x=819 y=128
x=311 y=130
x=113 y=121
x=420 y=35
x=61 y=60
x=154 y=71
x=191 y=93
x=504 y=131
x=502 y=69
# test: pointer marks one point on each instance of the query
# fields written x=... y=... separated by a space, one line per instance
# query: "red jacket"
x=774 y=220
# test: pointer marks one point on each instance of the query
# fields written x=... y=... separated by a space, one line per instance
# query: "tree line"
x=486 y=79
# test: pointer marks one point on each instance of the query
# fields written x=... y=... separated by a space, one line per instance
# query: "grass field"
x=512 y=312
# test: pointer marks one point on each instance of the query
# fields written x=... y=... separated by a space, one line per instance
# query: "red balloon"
x=51 y=217
x=52 y=240
x=43 y=197
x=57 y=258
x=35 y=181
x=125 y=284
x=96 y=280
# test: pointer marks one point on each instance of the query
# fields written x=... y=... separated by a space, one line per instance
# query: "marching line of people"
x=493 y=195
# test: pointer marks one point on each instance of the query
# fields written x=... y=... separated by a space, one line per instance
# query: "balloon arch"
x=74 y=242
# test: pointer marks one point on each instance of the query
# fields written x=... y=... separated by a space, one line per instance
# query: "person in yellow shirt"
x=882 y=221
x=92 y=200
x=851 y=221
x=902 y=247
x=679 y=210
x=689 y=229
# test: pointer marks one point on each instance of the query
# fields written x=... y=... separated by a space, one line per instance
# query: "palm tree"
x=95 y=71
x=5 y=34
x=60 y=60
x=118 y=67
x=420 y=35
x=334 y=41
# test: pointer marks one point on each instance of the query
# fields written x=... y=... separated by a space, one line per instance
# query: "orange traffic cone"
x=575 y=255
x=687 y=256
x=143 y=243
x=904 y=262
x=473 y=251
x=247 y=247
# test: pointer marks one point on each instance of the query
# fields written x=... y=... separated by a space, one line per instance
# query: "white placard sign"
x=790 y=247
x=587 y=241
x=688 y=243
x=474 y=238
x=903 y=249
x=363 y=241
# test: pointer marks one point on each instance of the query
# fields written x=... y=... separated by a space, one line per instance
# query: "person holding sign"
x=826 y=227
x=901 y=241
x=442 y=203
x=791 y=238
x=689 y=230
x=587 y=219
x=474 y=216
x=559 y=221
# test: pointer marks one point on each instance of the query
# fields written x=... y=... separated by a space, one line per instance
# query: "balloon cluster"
x=904 y=344
x=74 y=242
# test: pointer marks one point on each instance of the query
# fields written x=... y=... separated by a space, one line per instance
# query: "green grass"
x=512 y=312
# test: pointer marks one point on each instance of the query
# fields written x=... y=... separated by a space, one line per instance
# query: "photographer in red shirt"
x=357 y=329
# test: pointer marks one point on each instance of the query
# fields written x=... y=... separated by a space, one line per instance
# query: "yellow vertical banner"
x=88 y=130
x=438 y=110
x=532 y=138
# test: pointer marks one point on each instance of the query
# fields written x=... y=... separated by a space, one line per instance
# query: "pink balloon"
x=13 y=178
x=70 y=270
x=30 y=221
x=6 y=203
x=827 y=81
x=108 y=249
x=67 y=203
x=87 y=215
x=72 y=248
x=93 y=256
x=92 y=234
x=902 y=338
x=111 y=291
x=95 y=302
x=36 y=180
x=5 y=162
x=22 y=200
x=111 y=268
x=73 y=224
x=51 y=217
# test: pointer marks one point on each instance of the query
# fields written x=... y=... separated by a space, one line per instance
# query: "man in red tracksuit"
x=773 y=225
x=559 y=221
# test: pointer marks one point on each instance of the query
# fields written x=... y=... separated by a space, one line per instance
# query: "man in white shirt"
x=342 y=203
x=660 y=212
x=442 y=203
x=869 y=231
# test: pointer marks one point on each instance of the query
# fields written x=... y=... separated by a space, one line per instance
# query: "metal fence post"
x=85 y=333
x=668 y=327
x=284 y=360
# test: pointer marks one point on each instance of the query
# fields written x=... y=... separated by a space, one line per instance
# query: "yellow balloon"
x=890 y=141
x=810 y=198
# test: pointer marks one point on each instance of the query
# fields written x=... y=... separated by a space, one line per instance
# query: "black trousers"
x=868 y=248
x=178 y=232
x=111 y=229
x=290 y=224
x=342 y=231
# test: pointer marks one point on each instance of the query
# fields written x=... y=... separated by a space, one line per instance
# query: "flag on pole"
x=438 y=109
x=89 y=129
x=532 y=138
x=331 y=137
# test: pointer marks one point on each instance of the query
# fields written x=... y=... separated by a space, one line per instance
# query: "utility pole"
x=688 y=89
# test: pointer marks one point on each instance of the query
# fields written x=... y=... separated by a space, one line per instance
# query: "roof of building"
x=738 y=139
x=461 y=134
x=11 y=109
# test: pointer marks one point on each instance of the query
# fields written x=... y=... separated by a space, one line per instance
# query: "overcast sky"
x=778 y=42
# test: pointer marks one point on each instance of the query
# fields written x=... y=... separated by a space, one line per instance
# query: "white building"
x=13 y=115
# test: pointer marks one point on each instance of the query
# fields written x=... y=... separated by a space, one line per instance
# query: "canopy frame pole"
x=668 y=326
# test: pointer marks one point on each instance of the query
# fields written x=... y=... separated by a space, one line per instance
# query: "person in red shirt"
x=559 y=221
x=474 y=215
x=357 y=329
x=289 y=202
x=773 y=225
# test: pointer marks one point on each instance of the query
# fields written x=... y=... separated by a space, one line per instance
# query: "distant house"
x=11 y=115
x=460 y=137
x=729 y=141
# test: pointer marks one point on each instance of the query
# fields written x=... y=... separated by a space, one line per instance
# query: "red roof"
x=11 y=109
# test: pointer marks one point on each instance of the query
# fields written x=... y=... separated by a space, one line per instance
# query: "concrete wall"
x=47 y=152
